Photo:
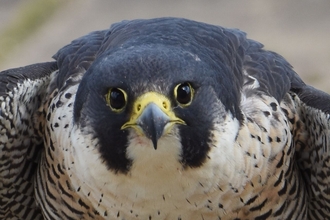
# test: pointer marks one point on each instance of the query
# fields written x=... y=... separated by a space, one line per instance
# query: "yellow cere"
x=152 y=97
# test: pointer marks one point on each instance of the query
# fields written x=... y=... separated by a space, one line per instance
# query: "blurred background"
x=33 y=30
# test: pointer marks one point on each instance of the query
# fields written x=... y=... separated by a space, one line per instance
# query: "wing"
x=312 y=138
x=309 y=120
x=21 y=94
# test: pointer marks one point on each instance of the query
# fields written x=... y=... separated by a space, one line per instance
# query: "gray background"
x=299 y=30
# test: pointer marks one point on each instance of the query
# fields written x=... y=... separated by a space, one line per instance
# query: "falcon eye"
x=116 y=98
x=183 y=94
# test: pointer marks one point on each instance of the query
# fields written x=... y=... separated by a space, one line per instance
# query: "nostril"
x=165 y=105
x=138 y=107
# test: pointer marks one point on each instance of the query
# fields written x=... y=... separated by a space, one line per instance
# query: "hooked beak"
x=152 y=116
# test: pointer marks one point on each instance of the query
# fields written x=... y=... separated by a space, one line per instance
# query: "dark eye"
x=116 y=98
x=183 y=93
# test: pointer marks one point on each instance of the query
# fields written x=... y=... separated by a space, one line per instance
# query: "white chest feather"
x=157 y=186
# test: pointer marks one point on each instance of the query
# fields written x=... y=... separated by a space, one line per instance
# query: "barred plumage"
x=241 y=135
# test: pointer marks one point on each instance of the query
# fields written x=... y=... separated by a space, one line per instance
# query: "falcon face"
x=163 y=119
x=143 y=97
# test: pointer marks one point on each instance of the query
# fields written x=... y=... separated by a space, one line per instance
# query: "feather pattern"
x=257 y=147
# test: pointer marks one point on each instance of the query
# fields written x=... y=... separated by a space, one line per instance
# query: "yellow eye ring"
x=183 y=94
x=116 y=99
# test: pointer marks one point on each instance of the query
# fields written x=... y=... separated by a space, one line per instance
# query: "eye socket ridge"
x=116 y=99
x=184 y=94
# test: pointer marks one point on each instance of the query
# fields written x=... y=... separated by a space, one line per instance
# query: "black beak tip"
x=153 y=121
x=154 y=142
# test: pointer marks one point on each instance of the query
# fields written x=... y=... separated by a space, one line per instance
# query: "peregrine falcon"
x=163 y=118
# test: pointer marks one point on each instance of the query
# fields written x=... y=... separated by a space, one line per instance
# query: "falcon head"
x=158 y=90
